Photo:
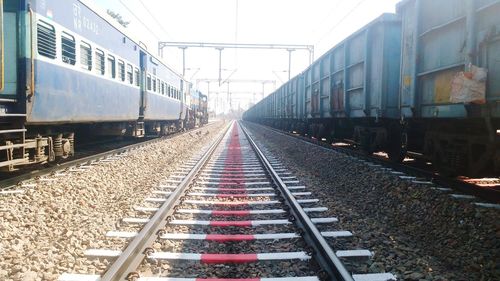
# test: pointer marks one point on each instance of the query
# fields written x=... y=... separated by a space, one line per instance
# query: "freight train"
x=423 y=82
x=67 y=70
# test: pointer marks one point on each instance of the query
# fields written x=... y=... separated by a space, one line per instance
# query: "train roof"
x=402 y=3
x=112 y=22
x=385 y=17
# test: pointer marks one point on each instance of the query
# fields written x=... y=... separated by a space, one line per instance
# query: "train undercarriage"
x=455 y=147
x=39 y=144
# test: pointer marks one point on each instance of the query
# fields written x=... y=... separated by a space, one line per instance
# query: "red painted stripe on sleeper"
x=228 y=258
x=224 y=195
x=232 y=189
x=231 y=223
x=233 y=156
x=231 y=213
x=239 y=204
x=229 y=238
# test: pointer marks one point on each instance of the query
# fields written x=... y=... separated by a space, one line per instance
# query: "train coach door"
x=1 y=46
x=144 y=67
x=9 y=48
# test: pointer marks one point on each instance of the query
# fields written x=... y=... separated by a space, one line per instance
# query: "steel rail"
x=487 y=194
x=322 y=252
x=130 y=259
x=9 y=183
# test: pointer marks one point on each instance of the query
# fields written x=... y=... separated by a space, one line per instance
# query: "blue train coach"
x=199 y=106
x=65 y=70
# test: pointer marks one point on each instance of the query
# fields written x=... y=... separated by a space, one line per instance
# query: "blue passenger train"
x=199 y=108
x=66 y=69
x=424 y=81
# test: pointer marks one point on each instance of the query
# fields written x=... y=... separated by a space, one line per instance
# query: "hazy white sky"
x=321 y=23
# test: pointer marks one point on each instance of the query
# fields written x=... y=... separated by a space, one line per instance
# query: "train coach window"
x=99 y=62
x=137 y=77
x=162 y=88
x=168 y=91
x=130 y=74
x=46 y=34
x=110 y=67
x=149 y=82
x=86 y=56
x=158 y=83
x=121 y=70
x=68 y=48
x=154 y=84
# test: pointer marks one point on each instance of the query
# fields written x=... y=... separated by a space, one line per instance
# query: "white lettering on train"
x=81 y=22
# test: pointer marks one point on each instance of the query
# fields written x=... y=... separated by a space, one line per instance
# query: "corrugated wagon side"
x=450 y=86
x=351 y=92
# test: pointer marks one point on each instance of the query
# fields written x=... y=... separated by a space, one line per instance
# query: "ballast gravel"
x=45 y=230
x=414 y=231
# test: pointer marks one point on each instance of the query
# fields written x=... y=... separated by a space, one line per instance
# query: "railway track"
x=91 y=154
x=231 y=213
x=485 y=189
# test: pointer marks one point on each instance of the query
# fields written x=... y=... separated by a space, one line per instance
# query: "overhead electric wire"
x=236 y=19
x=155 y=19
x=330 y=13
x=138 y=19
x=340 y=21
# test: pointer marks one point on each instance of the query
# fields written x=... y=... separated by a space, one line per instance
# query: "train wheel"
x=482 y=159
x=398 y=146
x=321 y=132
x=302 y=129
x=331 y=136
x=309 y=130
x=496 y=162
x=316 y=131
x=62 y=147
x=366 y=146
x=164 y=130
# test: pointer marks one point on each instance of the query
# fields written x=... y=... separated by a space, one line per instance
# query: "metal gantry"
x=221 y=46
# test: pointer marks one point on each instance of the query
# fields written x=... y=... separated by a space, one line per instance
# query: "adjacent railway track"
x=245 y=208
x=90 y=154
x=485 y=189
